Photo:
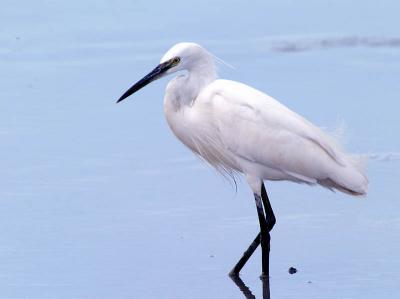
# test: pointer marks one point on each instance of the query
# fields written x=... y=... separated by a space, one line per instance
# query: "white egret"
x=238 y=129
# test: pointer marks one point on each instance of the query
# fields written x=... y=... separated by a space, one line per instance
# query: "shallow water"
x=100 y=201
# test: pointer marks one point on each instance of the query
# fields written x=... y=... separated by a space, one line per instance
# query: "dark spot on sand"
x=292 y=270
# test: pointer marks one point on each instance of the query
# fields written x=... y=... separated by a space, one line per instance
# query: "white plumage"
x=237 y=128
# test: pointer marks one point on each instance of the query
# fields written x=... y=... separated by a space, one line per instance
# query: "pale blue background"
x=99 y=200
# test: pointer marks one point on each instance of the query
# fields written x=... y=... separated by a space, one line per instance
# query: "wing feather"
x=258 y=128
x=253 y=133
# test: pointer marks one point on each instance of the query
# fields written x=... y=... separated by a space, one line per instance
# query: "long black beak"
x=153 y=75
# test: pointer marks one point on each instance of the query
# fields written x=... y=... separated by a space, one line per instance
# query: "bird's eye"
x=176 y=60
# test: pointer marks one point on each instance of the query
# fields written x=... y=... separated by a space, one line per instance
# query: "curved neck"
x=198 y=76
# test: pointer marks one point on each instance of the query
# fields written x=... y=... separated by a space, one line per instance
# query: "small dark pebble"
x=211 y=255
x=292 y=270
x=309 y=281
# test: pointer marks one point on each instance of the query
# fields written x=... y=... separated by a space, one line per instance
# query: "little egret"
x=238 y=129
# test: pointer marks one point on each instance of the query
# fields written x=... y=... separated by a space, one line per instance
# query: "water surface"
x=99 y=200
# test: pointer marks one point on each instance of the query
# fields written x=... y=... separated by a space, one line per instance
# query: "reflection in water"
x=245 y=289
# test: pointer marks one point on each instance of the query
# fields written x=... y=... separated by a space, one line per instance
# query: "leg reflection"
x=241 y=285
x=265 y=283
x=245 y=289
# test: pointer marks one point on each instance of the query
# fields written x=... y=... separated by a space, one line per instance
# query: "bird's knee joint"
x=271 y=223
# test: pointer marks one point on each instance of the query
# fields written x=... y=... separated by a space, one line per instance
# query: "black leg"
x=246 y=255
x=269 y=213
x=265 y=236
x=267 y=222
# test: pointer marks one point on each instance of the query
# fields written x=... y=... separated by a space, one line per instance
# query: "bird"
x=240 y=130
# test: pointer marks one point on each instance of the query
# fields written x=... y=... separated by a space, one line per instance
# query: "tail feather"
x=332 y=185
x=349 y=178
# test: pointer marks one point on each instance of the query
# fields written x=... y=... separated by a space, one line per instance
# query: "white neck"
x=199 y=74
x=197 y=78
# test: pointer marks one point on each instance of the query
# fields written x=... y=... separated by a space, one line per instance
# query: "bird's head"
x=182 y=56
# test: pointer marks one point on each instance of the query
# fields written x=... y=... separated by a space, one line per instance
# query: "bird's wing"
x=257 y=128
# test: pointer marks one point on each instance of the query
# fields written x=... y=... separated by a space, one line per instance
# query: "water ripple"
x=308 y=44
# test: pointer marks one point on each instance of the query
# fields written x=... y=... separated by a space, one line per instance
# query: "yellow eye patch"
x=175 y=61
